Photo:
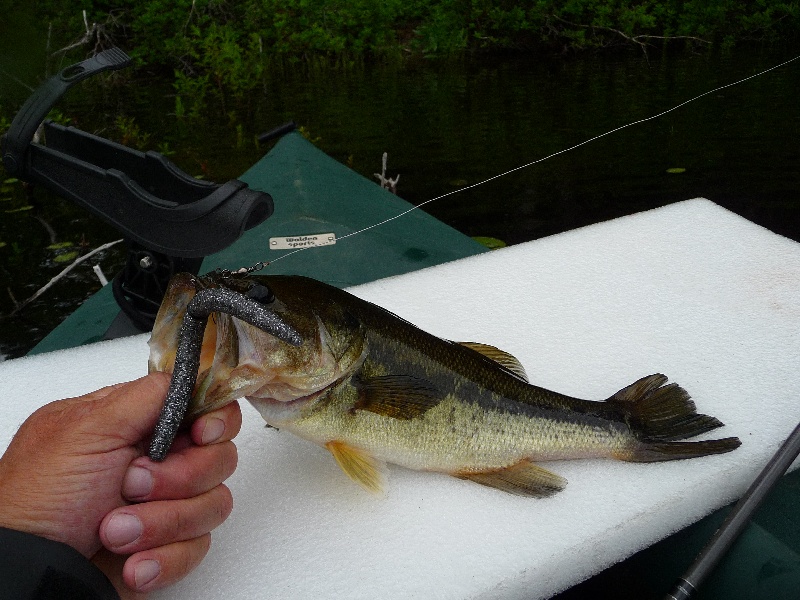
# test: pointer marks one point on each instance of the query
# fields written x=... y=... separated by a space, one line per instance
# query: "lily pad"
x=60 y=246
x=11 y=180
x=675 y=170
x=3 y=244
x=20 y=209
x=489 y=242
x=66 y=257
x=6 y=199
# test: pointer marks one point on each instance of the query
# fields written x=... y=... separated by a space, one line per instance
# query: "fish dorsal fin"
x=501 y=357
x=397 y=396
x=522 y=479
x=360 y=466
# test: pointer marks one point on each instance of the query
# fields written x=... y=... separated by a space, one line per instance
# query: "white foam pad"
x=690 y=290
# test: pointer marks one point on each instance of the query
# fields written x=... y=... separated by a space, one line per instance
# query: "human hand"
x=76 y=472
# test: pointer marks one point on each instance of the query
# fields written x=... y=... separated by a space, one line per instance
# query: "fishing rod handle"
x=682 y=590
x=738 y=518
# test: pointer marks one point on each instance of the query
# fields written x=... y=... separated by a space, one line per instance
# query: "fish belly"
x=457 y=437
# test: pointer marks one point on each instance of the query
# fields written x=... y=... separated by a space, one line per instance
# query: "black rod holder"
x=170 y=219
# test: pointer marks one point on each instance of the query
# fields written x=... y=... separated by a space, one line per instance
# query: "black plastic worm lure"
x=187 y=358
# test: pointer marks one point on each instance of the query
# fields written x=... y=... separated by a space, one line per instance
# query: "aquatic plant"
x=129 y=133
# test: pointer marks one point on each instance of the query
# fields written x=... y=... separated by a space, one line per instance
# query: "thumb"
x=130 y=410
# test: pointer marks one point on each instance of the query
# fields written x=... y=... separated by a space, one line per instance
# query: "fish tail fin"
x=660 y=451
x=658 y=414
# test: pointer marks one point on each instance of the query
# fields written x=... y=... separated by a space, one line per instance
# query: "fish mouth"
x=274 y=410
x=308 y=398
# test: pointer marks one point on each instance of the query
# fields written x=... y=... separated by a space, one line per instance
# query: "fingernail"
x=123 y=529
x=138 y=483
x=145 y=571
x=212 y=431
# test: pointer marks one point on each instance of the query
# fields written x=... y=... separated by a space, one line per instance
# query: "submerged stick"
x=19 y=306
x=737 y=519
x=187 y=357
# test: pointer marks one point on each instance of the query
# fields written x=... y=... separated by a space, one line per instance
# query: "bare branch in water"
x=635 y=39
x=20 y=305
x=96 y=31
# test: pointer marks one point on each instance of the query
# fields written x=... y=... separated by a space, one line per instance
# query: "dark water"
x=444 y=124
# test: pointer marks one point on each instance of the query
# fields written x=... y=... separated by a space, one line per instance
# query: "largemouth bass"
x=374 y=389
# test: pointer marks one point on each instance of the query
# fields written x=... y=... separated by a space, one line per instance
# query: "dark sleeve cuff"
x=35 y=568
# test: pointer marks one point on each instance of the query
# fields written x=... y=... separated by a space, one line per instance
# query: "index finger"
x=217 y=426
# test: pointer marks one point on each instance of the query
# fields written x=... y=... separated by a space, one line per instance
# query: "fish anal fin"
x=397 y=396
x=359 y=465
x=501 y=357
x=522 y=479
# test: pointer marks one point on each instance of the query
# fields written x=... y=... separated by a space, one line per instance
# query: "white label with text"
x=292 y=242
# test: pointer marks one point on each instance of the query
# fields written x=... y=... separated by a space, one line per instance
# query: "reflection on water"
x=447 y=124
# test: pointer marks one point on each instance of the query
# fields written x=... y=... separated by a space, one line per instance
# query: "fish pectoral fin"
x=397 y=396
x=521 y=479
x=359 y=465
x=501 y=357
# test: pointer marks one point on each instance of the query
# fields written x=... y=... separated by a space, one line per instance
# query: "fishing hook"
x=187 y=358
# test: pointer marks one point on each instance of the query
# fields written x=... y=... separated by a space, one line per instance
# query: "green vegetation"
x=222 y=38
x=5 y=121
x=490 y=242
x=220 y=49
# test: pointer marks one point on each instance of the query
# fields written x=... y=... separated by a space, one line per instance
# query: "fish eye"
x=260 y=293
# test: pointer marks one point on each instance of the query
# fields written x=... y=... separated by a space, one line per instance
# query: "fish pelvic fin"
x=398 y=396
x=359 y=465
x=501 y=357
x=657 y=411
x=522 y=479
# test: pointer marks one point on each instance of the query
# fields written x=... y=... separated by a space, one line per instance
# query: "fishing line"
x=15 y=79
x=534 y=162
